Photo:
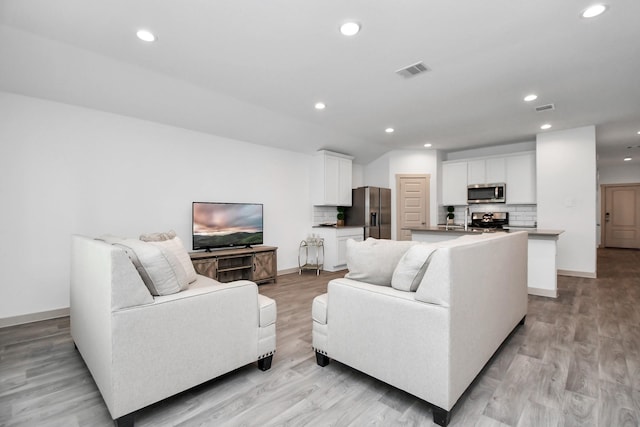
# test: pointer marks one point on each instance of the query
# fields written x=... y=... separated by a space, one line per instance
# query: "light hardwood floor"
x=576 y=362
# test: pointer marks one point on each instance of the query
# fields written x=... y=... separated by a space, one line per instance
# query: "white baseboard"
x=288 y=271
x=572 y=273
x=551 y=293
x=33 y=317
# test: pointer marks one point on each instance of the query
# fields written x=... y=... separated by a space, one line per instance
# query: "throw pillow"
x=171 y=242
x=374 y=261
x=159 y=268
x=411 y=267
x=158 y=237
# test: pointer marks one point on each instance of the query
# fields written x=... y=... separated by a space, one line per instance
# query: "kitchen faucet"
x=466 y=218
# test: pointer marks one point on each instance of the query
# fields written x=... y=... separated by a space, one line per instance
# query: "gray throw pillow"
x=374 y=261
x=411 y=267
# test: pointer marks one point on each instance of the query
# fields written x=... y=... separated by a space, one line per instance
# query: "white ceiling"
x=253 y=69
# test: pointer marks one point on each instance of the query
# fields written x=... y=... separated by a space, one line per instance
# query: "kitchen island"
x=542 y=252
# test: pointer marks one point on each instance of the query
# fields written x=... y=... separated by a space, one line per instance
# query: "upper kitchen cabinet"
x=521 y=179
x=486 y=171
x=454 y=183
x=331 y=179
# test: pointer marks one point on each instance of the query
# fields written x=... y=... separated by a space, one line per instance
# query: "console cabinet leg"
x=440 y=416
x=523 y=319
x=265 y=364
x=322 y=359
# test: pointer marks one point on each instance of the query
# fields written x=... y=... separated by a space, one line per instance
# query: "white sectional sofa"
x=425 y=320
x=142 y=348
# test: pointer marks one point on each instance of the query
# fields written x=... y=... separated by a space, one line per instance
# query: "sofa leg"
x=440 y=416
x=322 y=359
x=523 y=319
x=265 y=364
x=125 y=421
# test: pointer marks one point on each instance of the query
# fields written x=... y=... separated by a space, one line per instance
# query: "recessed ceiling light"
x=389 y=130
x=593 y=11
x=146 y=36
x=545 y=126
x=320 y=106
x=350 y=28
x=531 y=97
x=427 y=145
x=627 y=159
x=639 y=132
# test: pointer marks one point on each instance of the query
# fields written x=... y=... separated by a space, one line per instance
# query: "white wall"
x=69 y=170
x=382 y=173
x=493 y=150
x=624 y=173
x=566 y=187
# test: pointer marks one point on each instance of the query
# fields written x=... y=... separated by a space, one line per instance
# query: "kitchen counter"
x=336 y=226
x=459 y=229
x=335 y=243
x=542 y=279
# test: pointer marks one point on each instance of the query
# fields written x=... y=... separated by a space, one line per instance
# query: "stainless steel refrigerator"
x=370 y=208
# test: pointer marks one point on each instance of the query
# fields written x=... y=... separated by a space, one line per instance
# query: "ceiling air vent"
x=413 y=70
x=547 y=107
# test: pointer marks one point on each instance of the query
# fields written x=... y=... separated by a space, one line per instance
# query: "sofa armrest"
x=320 y=329
x=196 y=335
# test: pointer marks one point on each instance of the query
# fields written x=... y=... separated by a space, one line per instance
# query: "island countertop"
x=541 y=252
x=459 y=229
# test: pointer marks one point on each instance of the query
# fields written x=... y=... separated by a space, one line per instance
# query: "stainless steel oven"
x=487 y=193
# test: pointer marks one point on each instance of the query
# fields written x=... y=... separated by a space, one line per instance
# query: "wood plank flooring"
x=576 y=362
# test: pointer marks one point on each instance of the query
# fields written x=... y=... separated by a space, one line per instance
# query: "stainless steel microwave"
x=486 y=193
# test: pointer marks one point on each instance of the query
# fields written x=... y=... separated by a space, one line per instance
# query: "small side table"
x=311 y=255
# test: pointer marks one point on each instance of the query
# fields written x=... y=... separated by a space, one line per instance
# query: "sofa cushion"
x=411 y=267
x=171 y=242
x=319 y=309
x=268 y=311
x=374 y=261
x=159 y=267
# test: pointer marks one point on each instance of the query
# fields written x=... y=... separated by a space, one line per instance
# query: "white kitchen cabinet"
x=454 y=183
x=331 y=180
x=521 y=179
x=486 y=171
x=335 y=244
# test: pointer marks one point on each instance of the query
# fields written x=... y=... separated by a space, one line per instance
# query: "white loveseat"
x=434 y=340
x=141 y=348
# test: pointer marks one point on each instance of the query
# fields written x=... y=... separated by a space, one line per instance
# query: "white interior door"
x=622 y=216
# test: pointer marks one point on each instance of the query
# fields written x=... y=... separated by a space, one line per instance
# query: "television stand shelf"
x=258 y=264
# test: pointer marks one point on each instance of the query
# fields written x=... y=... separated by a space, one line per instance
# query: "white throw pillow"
x=411 y=267
x=159 y=268
x=374 y=261
x=175 y=246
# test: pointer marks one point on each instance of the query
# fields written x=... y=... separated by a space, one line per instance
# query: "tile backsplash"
x=324 y=214
x=519 y=215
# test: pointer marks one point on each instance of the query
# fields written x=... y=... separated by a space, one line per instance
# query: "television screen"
x=220 y=225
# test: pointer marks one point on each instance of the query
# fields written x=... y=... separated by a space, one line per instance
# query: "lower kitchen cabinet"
x=335 y=244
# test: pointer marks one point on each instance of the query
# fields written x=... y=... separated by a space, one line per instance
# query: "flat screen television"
x=223 y=225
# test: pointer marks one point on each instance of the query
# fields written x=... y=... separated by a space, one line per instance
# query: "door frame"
x=399 y=176
x=603 y=206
